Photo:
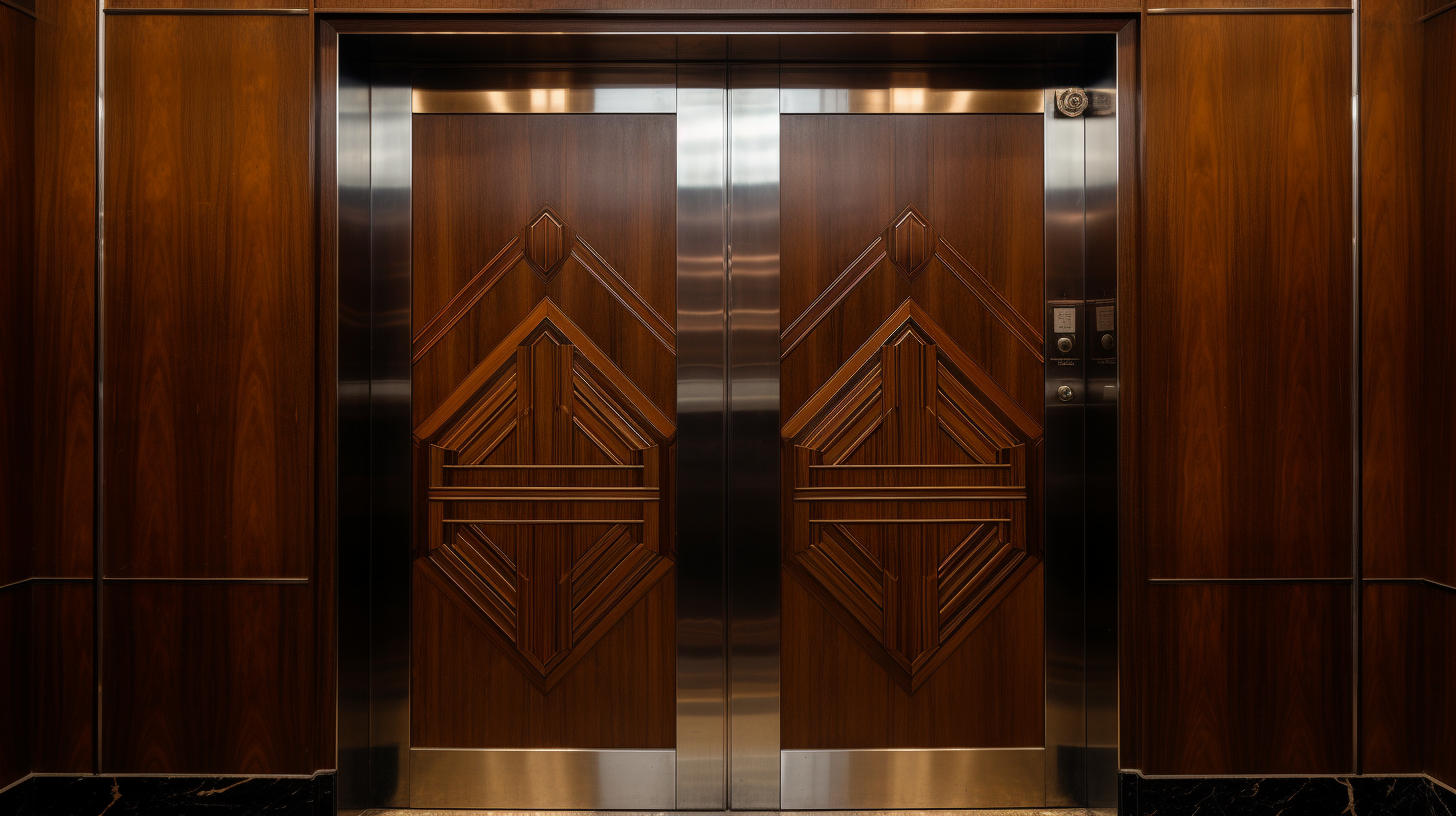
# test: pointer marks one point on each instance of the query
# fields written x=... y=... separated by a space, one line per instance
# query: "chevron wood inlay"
x=542 y=493
x=908 y=509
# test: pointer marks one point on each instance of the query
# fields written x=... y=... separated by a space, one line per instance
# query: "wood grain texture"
x=1248 y=679
x=1393 y=702
x=1247 y=296
x=1440 y=692
x=65 y=288
x=911 y=385
x=1439 y=47
x=468 y=694
x=544 y=386
x=209 y=678
x=1392 y=291
x=17 y=275
x=209 y=297
x=15 y=748
x=988 y=693
x=62 y=677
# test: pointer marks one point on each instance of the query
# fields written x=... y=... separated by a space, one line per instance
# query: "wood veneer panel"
x=62 y=679
x=1440 y=694
x=544 y=389
x=209 y=297
x=209 y=678
x=1245 y=354
x=1393 y=700
x=467 y=695
x=14 y=683
x=835 y=695
x=1438 y=425
x=1391 y=290
x=17 y=272
x=1248 y=679
x=65 y=291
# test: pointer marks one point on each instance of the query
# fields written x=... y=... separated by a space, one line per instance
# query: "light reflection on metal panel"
x=542 y=779
x=917 y=778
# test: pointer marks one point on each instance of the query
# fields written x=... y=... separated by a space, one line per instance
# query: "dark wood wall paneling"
x=209 y=419
x=17 y=273
x=1439 y=45
x=1244 y=375
x=62 y=700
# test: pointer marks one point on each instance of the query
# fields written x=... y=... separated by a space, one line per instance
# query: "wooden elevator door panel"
x=544 y=392
x=912 y=392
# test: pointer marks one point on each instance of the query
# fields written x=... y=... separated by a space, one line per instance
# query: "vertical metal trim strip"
x=390 y=159
x=753 y=437
x=702 y=313
x=1063 y=533
x=1357 y=538
x=1101 y=484
x=352 y=344
x=98 y=417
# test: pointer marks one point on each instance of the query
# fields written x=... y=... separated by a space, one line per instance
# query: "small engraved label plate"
x=1064 y=320
x=1105 y=318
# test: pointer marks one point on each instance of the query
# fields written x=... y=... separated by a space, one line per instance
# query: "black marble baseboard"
x=170 y=796
x=1284 y=796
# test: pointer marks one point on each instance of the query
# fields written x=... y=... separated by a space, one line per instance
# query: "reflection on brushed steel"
x=549 y=89
x=753 y=433
x=390 y=173
x=918 y=778
x=1064 y=204
x=702 y=276
x=910 y=100
x=541 y=778
x=1101 y=580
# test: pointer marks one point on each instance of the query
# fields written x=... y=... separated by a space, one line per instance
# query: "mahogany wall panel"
x=1440 y=691
x=1392 y=423
x=64 y=298
x=1439 y=36
x=1246 y=301
x=1393 y=699
x=63 y=683
x=209 y=297
x=209 y=678
x=17 y=271
x=14 y=683
x=1248 y=679
x=218 y=5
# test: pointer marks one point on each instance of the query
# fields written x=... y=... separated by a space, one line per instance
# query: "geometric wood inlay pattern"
x=543 y=480
x=908 y=514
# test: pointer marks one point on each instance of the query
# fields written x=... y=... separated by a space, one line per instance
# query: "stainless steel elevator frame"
x=727 y=630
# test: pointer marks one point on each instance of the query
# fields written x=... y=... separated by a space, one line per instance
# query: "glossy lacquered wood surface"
x=209 y=678
x=64 y=298
x=1245 y=362
x=1392 y=290
x=62 y=677
x=17 y=273
x=911 y=268
x=211 y=5
x=763 y=5
x=1393 y=702
x=1439 y=48
x=1248 y=679
x=544 y=394
x=209 y=297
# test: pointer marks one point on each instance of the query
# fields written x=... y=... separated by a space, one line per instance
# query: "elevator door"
x=912 y=443
x=544 y=413
x=746 y=408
